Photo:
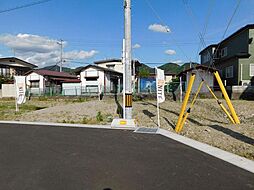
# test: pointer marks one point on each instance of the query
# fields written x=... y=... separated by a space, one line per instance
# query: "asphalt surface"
x=59 y=158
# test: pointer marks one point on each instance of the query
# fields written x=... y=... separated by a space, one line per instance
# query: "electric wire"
x=24 y=6
x=162 y=22
x=224 y=34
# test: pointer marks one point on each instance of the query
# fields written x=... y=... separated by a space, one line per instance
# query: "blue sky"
x=93 y=30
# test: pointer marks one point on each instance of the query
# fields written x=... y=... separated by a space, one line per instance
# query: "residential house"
x=49 y=82
x=233 y=57
x=10 y=66
x=117 y=65
x=202 y=73
x=95 y=79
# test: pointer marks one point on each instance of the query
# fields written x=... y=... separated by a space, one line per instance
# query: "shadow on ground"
x=173 y=112
x=233 y=134
x=119 y=110
x=169 y=123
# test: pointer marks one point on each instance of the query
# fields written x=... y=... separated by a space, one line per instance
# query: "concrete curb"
x=64 y=125
x=234 y=159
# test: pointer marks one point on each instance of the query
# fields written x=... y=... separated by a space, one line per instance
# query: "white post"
x=158 y=113
x=123 y=61
x=158 y=105
x=241 y=70
x=61 y=54
x=181 y=89
x=16 y=103
x=128 y=78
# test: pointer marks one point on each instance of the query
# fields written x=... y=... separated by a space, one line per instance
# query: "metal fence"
x=172 y=87
x=73 y=91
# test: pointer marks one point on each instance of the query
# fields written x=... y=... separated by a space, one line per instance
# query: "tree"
x=144 y=72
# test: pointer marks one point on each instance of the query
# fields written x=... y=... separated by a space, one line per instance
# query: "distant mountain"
x=168 y=68
x=175 y=68
x=187 y=66
x=171 y=68
x=57 y=68
x=144 y=66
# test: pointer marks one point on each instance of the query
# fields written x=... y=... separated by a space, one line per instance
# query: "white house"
x=202 y=72
x=117 y=65
x=96 y=79
x=114 y=64
x=49 y=82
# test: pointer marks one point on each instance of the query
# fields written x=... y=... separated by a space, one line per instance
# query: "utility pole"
x=61 y=54
x=127 y=120
x=128 y=79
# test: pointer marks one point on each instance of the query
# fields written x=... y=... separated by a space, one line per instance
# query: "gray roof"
x=11 y=61
x=98 y=67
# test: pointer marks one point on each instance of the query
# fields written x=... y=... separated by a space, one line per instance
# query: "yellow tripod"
x=183 y=116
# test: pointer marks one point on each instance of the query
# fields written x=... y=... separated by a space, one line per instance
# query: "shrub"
x=99 y=116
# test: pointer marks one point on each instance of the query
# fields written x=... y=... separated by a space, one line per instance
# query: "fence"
x=73 y=91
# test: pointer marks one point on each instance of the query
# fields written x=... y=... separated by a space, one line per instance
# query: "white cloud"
x=159 y=28
x=41 y=50
x=29 y=42
x=177 y=61
x=170 y=52
x=136 y=46
x=80 y=54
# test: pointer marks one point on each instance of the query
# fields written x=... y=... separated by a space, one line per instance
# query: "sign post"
x=160 y=83
x=20 y=88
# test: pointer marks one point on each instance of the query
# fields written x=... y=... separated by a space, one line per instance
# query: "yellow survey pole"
x=192 y=104
x=185 y=101
x=221 y=105
x=225 y=94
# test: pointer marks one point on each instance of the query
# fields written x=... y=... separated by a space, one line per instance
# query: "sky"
x=162 y=30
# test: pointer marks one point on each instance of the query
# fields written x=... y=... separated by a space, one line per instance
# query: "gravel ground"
x=206 y=123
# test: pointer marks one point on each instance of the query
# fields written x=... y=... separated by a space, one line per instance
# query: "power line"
x=229 y=22
x=201 y=34
x=24 y=6
x=162 y=22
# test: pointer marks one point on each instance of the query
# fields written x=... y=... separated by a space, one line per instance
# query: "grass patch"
x=79 y=100
x=43 y=98
x=8 y=109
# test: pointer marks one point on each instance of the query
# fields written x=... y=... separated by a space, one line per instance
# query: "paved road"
x=59 y=158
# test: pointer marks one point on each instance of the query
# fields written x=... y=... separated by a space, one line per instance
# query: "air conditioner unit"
x=245 y=82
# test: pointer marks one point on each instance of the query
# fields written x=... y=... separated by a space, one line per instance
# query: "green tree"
x=144 y=72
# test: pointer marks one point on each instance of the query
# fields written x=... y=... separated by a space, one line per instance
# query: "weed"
x=80 y=99
x=109 y=118
x=99 y=116
x=43 y=98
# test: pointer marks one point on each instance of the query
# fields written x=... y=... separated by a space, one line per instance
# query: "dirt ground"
x=207 y=122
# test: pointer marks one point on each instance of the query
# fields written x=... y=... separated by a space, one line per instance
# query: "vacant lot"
x=206 y=123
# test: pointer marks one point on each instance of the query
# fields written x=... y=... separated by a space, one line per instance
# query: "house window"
x=91 y=73
x=91 y=78
x=34 y=84
x=110 y=66
x=229 y=72
x=207 y=57
x=224 y=52
x=5 y=72
x=92 y=88
x=252 y=69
